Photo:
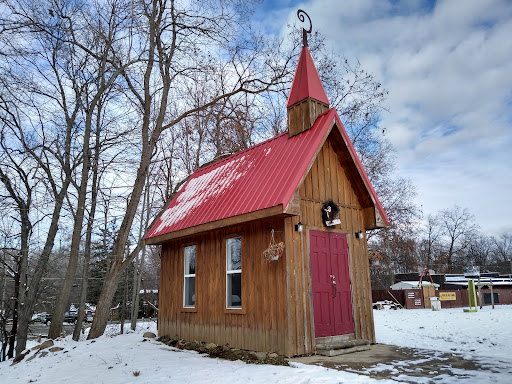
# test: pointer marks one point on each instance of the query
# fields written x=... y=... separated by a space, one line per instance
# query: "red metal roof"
x=260 y=177
x=306 y=82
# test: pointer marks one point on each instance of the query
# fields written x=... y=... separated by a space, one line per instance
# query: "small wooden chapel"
x=266 y=249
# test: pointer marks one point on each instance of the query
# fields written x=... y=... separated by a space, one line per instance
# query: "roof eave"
x=234 y=220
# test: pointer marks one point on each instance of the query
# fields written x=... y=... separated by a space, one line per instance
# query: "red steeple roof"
x=306 y=82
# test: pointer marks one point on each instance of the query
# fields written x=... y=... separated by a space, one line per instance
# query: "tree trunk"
x=137 y=276
x=123 y=307
x=20 y=274
x=105 y=300
x=26 y=229
x=20 y=279
x=450 y=256
x=83 y=288
x=137 y=273
x=63 y=299
x=15 y=311
x=26 y=307
x=88 y=236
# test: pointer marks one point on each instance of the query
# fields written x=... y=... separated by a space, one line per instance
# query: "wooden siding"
x=262 y=322
x=277 y=312
x=302 y=115
x=331 y=179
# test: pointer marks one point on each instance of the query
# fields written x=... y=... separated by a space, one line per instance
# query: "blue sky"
x=448 y=68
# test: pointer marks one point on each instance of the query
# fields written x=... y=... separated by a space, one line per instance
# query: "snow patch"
x=114 y=359
x=484 y=336
x=203 y=188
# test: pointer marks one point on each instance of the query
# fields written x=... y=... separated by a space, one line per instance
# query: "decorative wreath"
x=330 y=212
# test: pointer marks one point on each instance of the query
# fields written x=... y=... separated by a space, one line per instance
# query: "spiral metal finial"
x=300 y=15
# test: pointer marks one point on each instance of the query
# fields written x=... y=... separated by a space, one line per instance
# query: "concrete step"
x=341 y=347
x=330 y=339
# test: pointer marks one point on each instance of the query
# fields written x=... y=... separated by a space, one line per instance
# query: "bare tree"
x=90 y=222
x=174 y=41
x=93 y=92
x=459 y=229
x=479 y=251
x=429 y=245
x=18 y=176
x=44 y=136
x=503 y=248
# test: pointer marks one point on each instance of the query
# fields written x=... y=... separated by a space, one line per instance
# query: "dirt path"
x=403 y=364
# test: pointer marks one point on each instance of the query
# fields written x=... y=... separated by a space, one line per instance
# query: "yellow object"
x=472 y=297
x=447 y=296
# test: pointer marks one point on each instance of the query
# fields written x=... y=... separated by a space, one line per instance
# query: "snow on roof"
x=142 y=291
x=463 y=281
x=411 y=285
x=206 y=186
x=260 y=177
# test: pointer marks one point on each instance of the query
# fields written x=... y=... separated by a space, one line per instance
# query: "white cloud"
x=448 y=67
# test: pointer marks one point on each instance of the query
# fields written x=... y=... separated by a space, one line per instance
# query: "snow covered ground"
x=485 y=336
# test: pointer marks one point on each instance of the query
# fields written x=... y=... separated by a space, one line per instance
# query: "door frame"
x=349 y=248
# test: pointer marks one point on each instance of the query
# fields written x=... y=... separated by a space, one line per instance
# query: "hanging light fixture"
x=359 y=235
x=299 y=227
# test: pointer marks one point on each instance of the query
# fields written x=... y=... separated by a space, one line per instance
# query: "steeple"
x=307 y=99
x=306 y=82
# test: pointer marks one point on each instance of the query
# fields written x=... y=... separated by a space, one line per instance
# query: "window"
x=234 y=272
x=189 y=283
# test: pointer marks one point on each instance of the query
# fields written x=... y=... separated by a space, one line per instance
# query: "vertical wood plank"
x=299 y=267
x=327 y=170
x=314 y=179
x=335 y=175
x=322 y=195
x=290 y=292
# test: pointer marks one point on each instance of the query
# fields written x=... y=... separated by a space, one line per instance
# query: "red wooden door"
x=332 y=303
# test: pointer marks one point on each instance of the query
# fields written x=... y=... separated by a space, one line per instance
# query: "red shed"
x=266 y=249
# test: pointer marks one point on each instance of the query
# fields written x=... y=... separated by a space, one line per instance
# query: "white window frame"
x=188 y=275
x=233 y=271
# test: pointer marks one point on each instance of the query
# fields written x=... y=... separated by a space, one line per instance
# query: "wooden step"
x=341 y=347
x=330 y=339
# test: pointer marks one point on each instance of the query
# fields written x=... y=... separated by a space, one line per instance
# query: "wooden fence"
x=408 y=298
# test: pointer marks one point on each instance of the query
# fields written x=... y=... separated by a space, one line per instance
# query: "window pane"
x=190 y=260
x=234 y=290
x=190 y=292
x=234 y=254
